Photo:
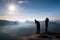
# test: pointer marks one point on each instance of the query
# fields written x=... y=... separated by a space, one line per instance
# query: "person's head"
x=46 y=18
x=35 y=19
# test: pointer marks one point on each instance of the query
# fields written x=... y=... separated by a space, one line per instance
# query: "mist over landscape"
x=14 y=29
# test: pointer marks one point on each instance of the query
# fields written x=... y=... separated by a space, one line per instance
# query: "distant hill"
x=6 y=22
x=57 y=21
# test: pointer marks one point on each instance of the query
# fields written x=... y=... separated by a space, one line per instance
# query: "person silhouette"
x=46 y=24
x=38 y=26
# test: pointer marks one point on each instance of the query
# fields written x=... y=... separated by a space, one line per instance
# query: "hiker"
x=38 y=26
x=46 y=24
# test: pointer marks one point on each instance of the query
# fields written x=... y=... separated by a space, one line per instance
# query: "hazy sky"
x=29 y=9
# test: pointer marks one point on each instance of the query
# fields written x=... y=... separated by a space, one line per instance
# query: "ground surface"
x=42 y=36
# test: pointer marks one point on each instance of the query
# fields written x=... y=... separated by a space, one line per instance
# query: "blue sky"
x=30 y=9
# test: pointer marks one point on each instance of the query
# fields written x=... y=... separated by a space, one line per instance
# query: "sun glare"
x=11 y=8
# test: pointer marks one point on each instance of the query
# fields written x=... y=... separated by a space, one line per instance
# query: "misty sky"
x=29 y=9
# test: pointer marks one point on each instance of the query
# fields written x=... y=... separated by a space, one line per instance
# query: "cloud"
x=22 y=1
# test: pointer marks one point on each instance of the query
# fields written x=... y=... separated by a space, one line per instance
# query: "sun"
x=11 y=8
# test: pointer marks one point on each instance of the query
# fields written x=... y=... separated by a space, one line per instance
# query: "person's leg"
x=37 y=31
x=46 y=28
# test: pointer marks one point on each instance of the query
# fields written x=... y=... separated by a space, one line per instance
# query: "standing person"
x=38 y=26
x=46 y=24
